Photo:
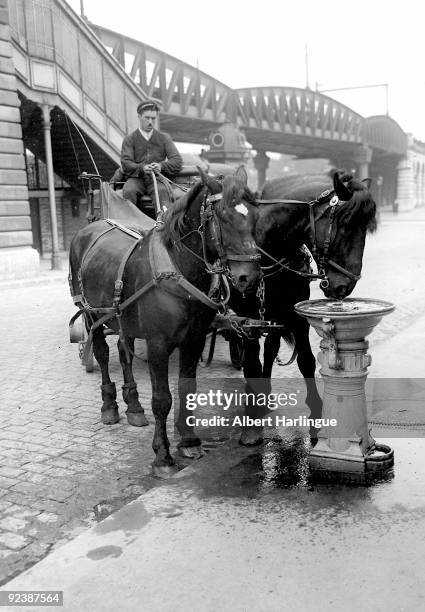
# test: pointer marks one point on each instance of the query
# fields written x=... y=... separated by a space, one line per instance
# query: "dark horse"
x=158 y=286
x=332 y=220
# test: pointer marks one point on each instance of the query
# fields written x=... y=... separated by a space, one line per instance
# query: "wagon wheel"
x=210 y=356
x=237 y=351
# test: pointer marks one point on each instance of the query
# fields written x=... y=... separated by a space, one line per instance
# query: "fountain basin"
x=353 y=318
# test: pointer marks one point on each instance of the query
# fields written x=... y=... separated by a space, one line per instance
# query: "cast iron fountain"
x=348 y=447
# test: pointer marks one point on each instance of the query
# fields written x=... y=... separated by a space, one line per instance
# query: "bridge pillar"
x=261 y=163
x=17 y=257
x=405 y=186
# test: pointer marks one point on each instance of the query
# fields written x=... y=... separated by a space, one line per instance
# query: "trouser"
x=135 y=188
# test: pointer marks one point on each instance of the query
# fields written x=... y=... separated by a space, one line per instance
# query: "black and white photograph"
x=212 y=390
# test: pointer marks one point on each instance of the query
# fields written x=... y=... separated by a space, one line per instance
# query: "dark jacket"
x=136 y=151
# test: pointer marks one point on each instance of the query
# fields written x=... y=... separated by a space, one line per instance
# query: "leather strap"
x=280 y=202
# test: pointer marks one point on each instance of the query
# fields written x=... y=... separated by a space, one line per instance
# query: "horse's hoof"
x=110 y=417
x=137 y=419
x=251 y=436
x=164 y=471
x=191 y=452
x=313 y=435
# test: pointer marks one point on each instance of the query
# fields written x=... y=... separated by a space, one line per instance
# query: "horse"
x=158 y=288
x=332 y=219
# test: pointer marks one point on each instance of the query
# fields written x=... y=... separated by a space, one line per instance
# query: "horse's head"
x=338 y=230
x=216 y=220
x=236 y=214
x=333 y=225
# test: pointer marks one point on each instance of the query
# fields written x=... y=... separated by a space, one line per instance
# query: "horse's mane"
x=360 y=209
x=235 y=190
x=174 y=219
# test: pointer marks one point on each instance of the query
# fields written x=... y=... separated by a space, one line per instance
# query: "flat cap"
x=147 y=105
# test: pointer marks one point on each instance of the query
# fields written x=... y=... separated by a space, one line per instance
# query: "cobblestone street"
x=60 y=468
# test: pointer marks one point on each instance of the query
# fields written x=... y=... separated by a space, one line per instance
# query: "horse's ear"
x=367 y=182
x=242 y=175
x=340 y=189
x=203 y=175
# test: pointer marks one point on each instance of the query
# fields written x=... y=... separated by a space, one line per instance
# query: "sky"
x=263 y=43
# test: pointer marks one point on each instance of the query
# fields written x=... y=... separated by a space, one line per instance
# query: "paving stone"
x=11 y=472
x=26 y=488
x=6 y=483
x=39 y=468
x=14 y=541
x=5 y=553
x=22 y=512
x=47 y=505
x=47 y=517
x=17 y=499
x=12 y=523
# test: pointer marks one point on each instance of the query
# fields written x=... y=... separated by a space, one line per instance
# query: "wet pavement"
x=62 y=471
x=248 y=529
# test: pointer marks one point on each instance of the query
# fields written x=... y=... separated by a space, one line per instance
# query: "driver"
x=147 y=150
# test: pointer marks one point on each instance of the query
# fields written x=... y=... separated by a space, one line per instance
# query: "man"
x=147 y=150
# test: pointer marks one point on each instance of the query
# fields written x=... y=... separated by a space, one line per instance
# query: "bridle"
x=209 y=221
x=331 y=202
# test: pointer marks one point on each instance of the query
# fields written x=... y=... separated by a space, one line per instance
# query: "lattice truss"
x=182 y=88
x=298 y=111
x=188 y=91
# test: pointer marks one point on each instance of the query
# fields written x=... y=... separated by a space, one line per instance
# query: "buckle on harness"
x=117 y=293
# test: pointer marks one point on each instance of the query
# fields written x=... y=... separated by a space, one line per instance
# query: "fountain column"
x=344 y=370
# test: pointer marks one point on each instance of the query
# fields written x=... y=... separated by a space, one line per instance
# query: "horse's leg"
x=254 y=384
x=158 y=355
x=135 y=413
x=109 y=409
x=307 y=366
x=190 y=353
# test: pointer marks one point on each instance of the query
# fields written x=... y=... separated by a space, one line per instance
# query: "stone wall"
x=71 y=216
x=17 y=257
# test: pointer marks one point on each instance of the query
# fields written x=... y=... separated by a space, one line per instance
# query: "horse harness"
x=332 y=202
x=163 y=268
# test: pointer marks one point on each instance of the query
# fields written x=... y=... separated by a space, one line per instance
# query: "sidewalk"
x=416 y=214
x=46 y=275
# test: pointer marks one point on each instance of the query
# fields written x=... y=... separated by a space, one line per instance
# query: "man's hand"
x=153 y=167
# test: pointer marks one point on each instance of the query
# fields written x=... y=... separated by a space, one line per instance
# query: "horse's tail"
x=289 y=338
